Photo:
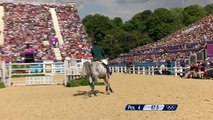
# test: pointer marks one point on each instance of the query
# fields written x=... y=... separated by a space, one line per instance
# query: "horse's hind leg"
x=92 y=86
x=108 y=87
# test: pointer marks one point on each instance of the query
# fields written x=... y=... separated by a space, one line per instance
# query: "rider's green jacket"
x=97 y=52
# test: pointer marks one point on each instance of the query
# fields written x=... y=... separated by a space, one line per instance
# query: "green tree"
x=177 y=14
x=117 y=21
x=161 y=23
x=160 y=31
x=111 y=46
x=209 y=9
x=97 y=26
x=193 y=13
x=145 y=27
x=139 y=20
x=164 y=15
x=128 y=26
x=142 y=16
x=145 y=39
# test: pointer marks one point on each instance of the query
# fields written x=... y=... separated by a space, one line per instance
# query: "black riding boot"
x=106 y=66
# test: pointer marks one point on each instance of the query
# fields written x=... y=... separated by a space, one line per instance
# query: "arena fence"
x=44 y=73
x=150 y=70
x=40 y=73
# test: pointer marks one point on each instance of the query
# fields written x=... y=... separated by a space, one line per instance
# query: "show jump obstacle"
x=40 y=73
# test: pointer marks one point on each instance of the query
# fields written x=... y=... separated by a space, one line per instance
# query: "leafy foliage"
x=145 y=27
x=209 y=9
x=193 y=13
x=2 y=85
x=81 y=82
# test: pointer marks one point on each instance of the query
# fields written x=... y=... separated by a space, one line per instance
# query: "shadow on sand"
x=85 y=93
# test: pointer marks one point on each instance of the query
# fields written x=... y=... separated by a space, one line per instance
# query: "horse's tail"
x=86 y=71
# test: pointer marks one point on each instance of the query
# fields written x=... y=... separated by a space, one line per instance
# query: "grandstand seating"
x=182 y=43
x=35 y=23
x=72 y=32
x=1 y=25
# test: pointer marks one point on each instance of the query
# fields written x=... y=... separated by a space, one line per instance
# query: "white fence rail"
x=39 y=80
x=70 y=69
x=40 y=73
x=150 y=70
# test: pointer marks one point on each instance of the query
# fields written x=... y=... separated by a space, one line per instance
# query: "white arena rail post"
x=139 y=70
x=117 y=69
x=29 y=70
x=130 y=70
x=50 y=66
x=113 y=69
x=153 y=70
x=10 y=74
x=149 y=70
x=4 y=73
x=44 y=68
x=181 y=71
x=53 y=68
x=175 y=71
x=133 y=67
x=65 y=72
x=166 y=68
x=125 y=69
x=122 y=69
x=110 y=68
x=143 y=70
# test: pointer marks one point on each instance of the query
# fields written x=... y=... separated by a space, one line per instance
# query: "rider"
x=98 y=54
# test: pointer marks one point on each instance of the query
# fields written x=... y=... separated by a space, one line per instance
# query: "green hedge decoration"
x=81 y=82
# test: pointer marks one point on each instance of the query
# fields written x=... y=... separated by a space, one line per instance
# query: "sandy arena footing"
x=194 y=97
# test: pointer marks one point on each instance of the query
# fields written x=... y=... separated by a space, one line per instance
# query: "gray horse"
x=94 y=71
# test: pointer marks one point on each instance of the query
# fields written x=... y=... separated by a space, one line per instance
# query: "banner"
x=209 y=50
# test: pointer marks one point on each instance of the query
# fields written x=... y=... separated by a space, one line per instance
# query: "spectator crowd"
x=75 y=40
x=184 y=42
x=26 y=23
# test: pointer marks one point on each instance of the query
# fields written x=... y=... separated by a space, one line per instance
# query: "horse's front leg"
x=92 y=86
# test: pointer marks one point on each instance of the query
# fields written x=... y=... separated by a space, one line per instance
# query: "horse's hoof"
x=94 y=94
x=90 y=95
x=111 y=90
x=107 y=93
